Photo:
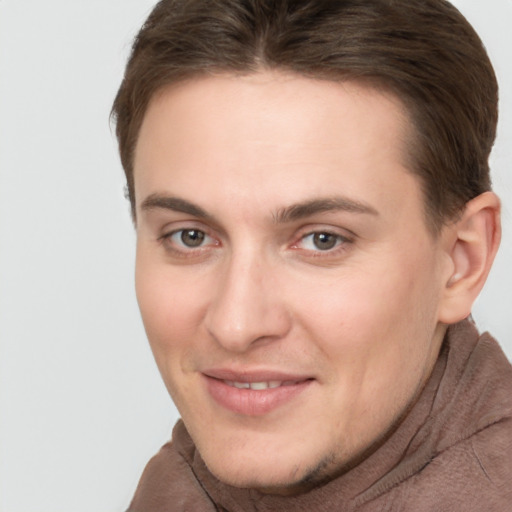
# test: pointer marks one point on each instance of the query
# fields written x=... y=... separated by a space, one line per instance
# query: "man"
x=310 y=186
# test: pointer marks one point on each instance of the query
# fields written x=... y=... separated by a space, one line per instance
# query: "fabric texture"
x=452 y=451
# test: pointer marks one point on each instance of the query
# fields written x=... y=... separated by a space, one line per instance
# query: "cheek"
x=382 y=311
x=171 y=305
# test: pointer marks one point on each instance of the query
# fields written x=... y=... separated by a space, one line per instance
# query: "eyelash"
x=178 y=248
x=340 y=243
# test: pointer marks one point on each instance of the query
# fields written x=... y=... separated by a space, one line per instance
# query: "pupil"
x=192 y=237
x=324 y=241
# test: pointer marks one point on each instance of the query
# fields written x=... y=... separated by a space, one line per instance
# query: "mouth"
x=254 y=393
x=260 y=386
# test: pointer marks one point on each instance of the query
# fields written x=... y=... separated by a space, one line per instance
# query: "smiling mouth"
x=260 y=386
x=253 y=395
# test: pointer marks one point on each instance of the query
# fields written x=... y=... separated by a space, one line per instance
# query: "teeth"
x=259 y=385
x=256 y=385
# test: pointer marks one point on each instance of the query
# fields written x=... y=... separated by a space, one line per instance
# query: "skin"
x=358 y=310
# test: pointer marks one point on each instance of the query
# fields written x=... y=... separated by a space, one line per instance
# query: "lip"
x=252 y=402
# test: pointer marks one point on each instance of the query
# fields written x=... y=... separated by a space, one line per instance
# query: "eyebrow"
x=291 y=213
x=331 y=204
x=157 y=201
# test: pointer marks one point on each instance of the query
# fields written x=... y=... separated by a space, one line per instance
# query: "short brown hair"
x=423 y=51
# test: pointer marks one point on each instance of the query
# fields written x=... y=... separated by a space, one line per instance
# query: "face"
x=287 y=280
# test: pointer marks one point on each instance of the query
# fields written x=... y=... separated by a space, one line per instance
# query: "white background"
x=82 y=407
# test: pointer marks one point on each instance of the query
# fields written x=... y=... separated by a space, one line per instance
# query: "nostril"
x=246 y=308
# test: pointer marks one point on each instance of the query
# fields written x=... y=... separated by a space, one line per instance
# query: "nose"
x=247 y=306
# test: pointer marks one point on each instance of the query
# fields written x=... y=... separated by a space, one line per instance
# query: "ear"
x=471 y=243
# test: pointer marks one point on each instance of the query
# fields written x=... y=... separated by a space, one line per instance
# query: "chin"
x=259 y=479
x=277 y=473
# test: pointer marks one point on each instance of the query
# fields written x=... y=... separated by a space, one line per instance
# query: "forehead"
x=275 y=137
x=266 y=102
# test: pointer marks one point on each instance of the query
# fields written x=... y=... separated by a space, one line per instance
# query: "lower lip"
x=251 y=402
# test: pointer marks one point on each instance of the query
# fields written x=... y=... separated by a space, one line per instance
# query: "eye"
x=191 y=237
x=321 y=241
x=188 y=239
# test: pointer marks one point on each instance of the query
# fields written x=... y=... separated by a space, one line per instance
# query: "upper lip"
x=254 y=375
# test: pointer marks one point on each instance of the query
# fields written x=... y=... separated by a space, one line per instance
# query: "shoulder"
x=168 y=483
x=470 y=467
x=473 y=475
x=464 y=458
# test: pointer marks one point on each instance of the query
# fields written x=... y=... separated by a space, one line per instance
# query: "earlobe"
x=472 y=243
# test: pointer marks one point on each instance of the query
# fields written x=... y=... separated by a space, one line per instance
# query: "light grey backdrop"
x=82 y=407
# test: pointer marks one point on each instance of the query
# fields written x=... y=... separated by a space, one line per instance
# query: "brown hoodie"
x=452 y=452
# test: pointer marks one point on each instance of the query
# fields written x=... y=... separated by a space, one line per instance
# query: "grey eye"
x=192 y=237
x=325 y=241
x=322 y=241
